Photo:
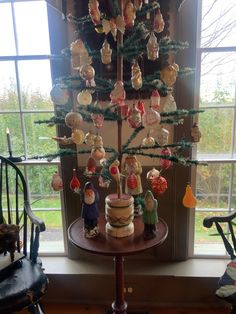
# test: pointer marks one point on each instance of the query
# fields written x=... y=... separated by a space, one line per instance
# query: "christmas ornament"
x=78 y=136
x=98 y=152
x=75 y=183
x=59 y=95
x=195 y=133
x=162 y=136
x=93 y=6
x=84 y=97
x=138 y=4
x=169 y=103
x=154 y=173
x=165 y=163
x=189 y=199
x=132 y=182
x=112 y=25
x=103 y=183
x=155 y=99
x=135 y=118
x=148 y=141
x=118 y=94
x=125 y=111
x=115 y=174
x=151 y=119
x=169 y=74
x=129 y=14
x=150 y=217
x=98 y=119
x=56 y=183
x=152 y=47
x=136 y=78
x=106 y=52
x=158 y=24
x=79 y=54
x=90 y=168
x=89 y=138
x=73 y=120
x=140 y=106
x=159 y=185
x=90 y=212
x=63 y=140
x=87 y=73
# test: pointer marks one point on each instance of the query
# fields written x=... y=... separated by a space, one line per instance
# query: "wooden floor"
x=79 y=309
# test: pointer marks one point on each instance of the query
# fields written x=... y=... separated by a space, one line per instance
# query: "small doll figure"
x=150 y=217
x=132 y=170
x=90 y=210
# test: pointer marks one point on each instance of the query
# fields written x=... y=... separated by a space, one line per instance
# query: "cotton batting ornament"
x=159 y=185
x=151 y=119
x=84 y=98
x=155 y=99
x=169 y=104
x=162 y=136
x=59 y=95
x=154 y=173
x=73 y=120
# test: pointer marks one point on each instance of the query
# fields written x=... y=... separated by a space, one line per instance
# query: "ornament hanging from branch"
x=59 y=96
x=158 y=24
x=90 y=168
x=148 y=141
x=141 y=107
x=87 y=73
x=136 y=78
x=118 y=94
x=113 y=25
x=79 y=54
x=165 y=163
x=77 y=136
x=162 y=136
x=189 y=199
x=195 y=133
x=151 y=119
x=75 y=183
x=73 y=120
x=129 y=14
x=152 y=47
x=106 y=52
x=135 y=118
x=89 y=138
x=84 y=97
x=169 y=74
x=169 y=104
x=98 y=119
x=98 y=152
x=159 y=185
x=154 y=173
x=56 y=184
x=93 y=6
x=155 y=99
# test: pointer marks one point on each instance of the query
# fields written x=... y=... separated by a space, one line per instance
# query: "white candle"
x=9 y=141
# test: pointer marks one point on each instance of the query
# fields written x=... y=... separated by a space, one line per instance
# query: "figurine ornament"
x=162 y=136
x=135 y=118
x=154 y=173
x=129 y=14
x=56 y=183
x=169 y=74
x=136 y=78
x=90 y=168
x=93 y=6
x=75 y=183
x=158 y=24
x=98 y=119
x=106 y=52
x=118 y=94
x=148 y=141
x=132 y=181
x=79 y=54
x=59 y=96
x=151 y=119
x=141 y=107
x=152 y=47
x=150 y=216
x=98 y=152
x=169 y=103
x=155 y=99
x=89 y=138
x=90 y=212
x=195 y=133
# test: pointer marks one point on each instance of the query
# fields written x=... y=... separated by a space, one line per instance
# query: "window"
x=216 y=87
x=25 y=84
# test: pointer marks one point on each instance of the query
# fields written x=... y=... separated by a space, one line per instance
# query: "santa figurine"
x=90 y=210
x=150 y=217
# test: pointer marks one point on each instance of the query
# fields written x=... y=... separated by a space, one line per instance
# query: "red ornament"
x=75 y=183
x=159 y=185
x=132 y=182
x=91 y=165
x=140 y=106
x=166 y=163
x=125 y=111
x=155 y=99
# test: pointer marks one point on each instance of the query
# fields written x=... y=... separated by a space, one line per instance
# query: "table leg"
x=119 y=306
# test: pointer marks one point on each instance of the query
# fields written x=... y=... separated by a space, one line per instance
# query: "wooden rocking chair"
x=22 y=280
x=227 y=283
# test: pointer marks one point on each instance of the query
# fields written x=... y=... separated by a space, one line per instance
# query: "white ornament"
x=169 y=104
x=89 y=138
x=59 y=95
x=148 y=141
x=84 y=98
x=154 y=173
x=151 y=119
x=155 y=99
x=162 y=136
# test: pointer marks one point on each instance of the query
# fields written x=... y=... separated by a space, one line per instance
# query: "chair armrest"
x=208 y=221
x=35 y=220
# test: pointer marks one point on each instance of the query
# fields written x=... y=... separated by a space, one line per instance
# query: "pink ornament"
x=125 y=111
x=118 y=94
x=98 y=120
x=155 y=99
x=135 y=118
x=159 y=185
x=56 y=183
x=151 y=119
x=140 y=106
x=166 y=163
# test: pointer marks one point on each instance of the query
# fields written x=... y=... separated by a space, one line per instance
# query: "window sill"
x=195 y=267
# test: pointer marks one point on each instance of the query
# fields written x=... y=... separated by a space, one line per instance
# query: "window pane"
x=218 y=23
x=39 y=136
x=216 y=129
x=8 y=89
x=11 y=121
x=32 y=27
x=218 y=78
x=35 y=81
x=47 y=206
x=7 y=40
x=207 y=241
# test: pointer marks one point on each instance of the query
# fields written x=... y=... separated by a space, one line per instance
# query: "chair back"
x=15 y=209
x=229 y=241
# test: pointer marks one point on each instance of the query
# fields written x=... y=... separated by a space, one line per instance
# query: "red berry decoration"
x=165 y=163
x=132 y=182
x=75 y=183
x=159 y=185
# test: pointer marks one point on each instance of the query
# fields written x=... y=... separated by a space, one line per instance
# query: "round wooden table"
x=106 y=245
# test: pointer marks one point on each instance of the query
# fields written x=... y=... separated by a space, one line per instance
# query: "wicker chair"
x=227 y=283
x=22 y=280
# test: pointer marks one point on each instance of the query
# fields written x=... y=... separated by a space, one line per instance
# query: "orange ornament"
x=189 y=199
x=75 y=183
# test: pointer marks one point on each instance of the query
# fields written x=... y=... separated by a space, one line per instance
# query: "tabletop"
x=104 y=244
